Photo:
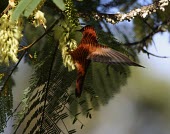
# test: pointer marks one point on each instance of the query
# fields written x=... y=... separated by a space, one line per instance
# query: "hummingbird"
x=89 y=50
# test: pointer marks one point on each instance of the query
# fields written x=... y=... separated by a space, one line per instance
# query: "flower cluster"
x=10 y=35
x=66 y=45
x=38 y=16
x=39 y=19
x=71 y=13
x=67 y=59
x=66 y=41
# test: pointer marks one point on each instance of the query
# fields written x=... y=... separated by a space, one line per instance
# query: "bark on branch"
x=142 y=12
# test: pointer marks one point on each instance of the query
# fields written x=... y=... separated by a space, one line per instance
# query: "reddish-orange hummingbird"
x=90 y=50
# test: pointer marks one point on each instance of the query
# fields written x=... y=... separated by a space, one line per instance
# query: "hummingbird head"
x=88 y=30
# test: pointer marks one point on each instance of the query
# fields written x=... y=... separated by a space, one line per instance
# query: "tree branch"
x=144 y=39
x=9 y=6
x=6 y=10
x=14 y=111
x=148 y=53
x=142 y=12
x=45 y=33
x=155 y=30
x=7 y=79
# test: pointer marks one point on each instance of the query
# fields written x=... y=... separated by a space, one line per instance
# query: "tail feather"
x=79 y=85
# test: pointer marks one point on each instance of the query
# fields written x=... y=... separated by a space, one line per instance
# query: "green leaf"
x=82 y=126
x=72 y=131
x=63 y=116
x=78 y=114
x=26 y=7
x=82 y=102
x=87 y=115
x=31 y=7
x=60 y=4
x=89 y=109
x=74 y=121
x=20 y=8
x=90 y=116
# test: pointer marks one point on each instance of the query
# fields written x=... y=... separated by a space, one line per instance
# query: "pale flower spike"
x=39 y=19
x=10 y=35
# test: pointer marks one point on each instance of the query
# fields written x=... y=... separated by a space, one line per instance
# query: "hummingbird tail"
x=79 y=85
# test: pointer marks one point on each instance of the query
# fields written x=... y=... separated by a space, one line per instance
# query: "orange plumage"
x=90 y=50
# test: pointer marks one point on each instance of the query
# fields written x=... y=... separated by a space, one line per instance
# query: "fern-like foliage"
x=6 y=96
x=6 y=104
x=48 y=94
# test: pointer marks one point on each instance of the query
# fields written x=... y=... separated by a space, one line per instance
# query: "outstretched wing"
x=107 y=55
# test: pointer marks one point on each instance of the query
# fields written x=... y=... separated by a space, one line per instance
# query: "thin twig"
x=65 y=125
x=5 y=10
x=6 y=81
x=74 y=115
x=64 y=104
x=22 y=119
x=144 y=39
x=70 y=110
x=145 y=21
x=45 y=33
x=154 y=31
x=14 y=111
x=149 y=53
x=107 y=28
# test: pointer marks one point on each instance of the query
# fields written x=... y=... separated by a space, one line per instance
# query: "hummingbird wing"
x=107 y=55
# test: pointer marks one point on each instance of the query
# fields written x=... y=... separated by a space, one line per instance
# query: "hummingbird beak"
x=80 y=30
